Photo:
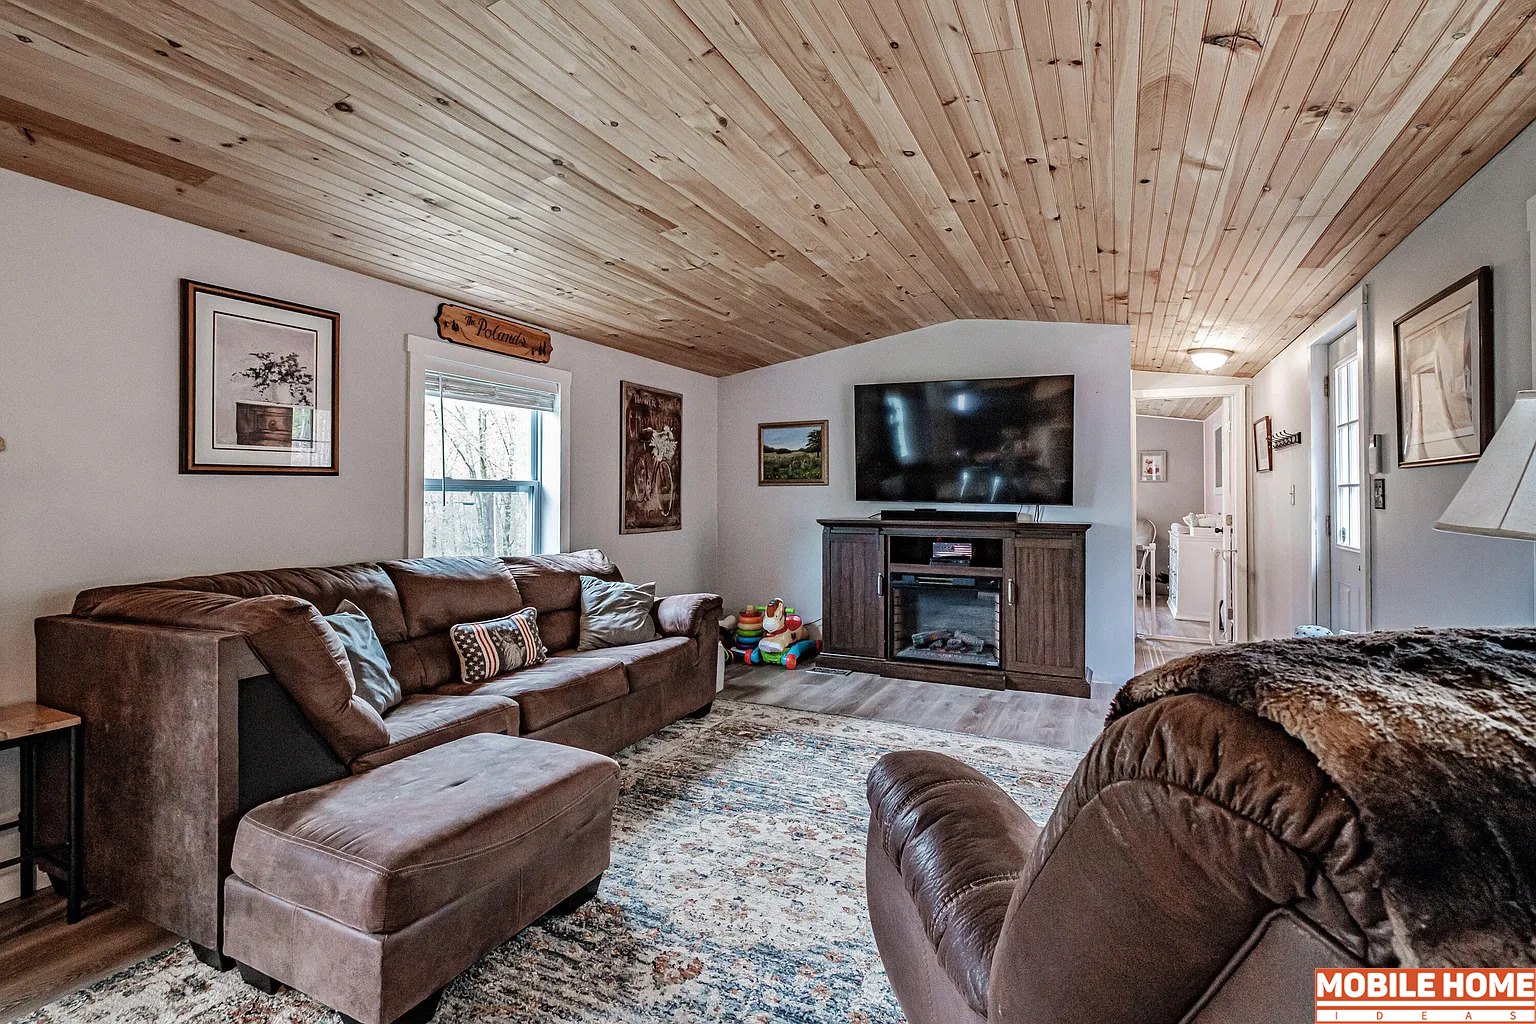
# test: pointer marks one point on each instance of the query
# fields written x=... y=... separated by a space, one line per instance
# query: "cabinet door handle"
x=879 y=584
x=1012 y=592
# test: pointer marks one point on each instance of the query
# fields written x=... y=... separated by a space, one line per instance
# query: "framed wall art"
x=258 y=384
x=1443 y=363
x=793 y=453
x=1154 y=466
x=1263 y=445
x=650 y=459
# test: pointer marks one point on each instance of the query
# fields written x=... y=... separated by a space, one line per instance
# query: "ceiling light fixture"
x=1209 y=359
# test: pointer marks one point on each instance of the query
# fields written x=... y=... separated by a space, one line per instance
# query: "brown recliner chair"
x=1198 y=868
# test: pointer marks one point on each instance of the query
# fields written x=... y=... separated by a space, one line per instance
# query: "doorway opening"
x=1191 y=520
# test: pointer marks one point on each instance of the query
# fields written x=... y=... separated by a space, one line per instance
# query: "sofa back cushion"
x=365 y=584
x=552 y=584
x=436 y=593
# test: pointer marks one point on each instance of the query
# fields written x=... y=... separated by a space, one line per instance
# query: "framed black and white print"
x=1443 y=358
x=258 y=384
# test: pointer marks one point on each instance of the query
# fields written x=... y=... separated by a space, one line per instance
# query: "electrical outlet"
x=1379 y=493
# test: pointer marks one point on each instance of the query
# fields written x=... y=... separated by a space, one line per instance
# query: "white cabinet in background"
x=1191 y=574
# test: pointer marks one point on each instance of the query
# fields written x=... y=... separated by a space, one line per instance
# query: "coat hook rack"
x=1284 y=439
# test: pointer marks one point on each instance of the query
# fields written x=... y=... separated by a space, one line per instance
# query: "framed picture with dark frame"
x=1263 y=445
x=259 y=388
x=1443 y=370
x=792 y=453
x=650 y=459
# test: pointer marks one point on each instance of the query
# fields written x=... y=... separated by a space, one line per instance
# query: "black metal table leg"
x=76 y=821
x=28 y=755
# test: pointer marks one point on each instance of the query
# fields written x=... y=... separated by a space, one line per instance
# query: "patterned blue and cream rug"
x=736 y=892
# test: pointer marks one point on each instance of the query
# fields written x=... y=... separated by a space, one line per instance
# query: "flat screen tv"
x=996 y=441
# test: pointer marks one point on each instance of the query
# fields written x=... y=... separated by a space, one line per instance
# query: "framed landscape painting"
x=650 y=459
x=1443 y=360
x=793 y=453
x=258 y=384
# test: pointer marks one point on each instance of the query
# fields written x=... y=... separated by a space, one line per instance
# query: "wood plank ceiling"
x=724 y=184
x=1178 y=408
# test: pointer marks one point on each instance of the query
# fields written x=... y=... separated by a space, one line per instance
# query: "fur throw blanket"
x=1432 y=735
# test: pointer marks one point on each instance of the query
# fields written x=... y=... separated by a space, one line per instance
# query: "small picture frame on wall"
x=259 y=388
x=1154 y=466
x=1443 y=365
x=792 y=454
x=1263 y=445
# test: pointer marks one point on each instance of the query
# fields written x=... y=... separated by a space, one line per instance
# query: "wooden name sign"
x=492 y=333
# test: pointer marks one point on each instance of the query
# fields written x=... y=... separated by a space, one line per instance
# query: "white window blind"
x=442 y=386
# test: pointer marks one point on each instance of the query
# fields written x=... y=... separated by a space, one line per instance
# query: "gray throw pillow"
x=614 y=614
x=370 y=665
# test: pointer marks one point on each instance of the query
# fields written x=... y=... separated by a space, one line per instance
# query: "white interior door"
x=1346 y=484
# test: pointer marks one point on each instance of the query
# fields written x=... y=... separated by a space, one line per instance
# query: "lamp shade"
x=1499 y=498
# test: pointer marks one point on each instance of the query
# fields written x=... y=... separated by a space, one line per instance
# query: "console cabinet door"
x=1044 y=621
x=853 y=593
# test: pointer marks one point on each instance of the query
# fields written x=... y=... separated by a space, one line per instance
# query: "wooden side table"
x=22 y=725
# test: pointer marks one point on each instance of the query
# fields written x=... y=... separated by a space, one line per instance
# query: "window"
x=1346 y=453
x=484 y=485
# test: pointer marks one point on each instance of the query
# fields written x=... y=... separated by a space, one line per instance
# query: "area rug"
x=736 y=893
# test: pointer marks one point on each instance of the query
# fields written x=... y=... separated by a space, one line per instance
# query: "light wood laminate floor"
x=1045 y=718
x=1161 y=638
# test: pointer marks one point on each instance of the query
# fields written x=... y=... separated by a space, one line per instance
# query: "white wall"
x=89 y=490
x=1420 y=577
x=770 y=545
x=1184 y=490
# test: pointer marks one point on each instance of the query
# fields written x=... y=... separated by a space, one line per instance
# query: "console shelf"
x=1020 y=607
x=926 y=569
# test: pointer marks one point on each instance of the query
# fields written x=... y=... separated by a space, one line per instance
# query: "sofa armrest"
x=695 y=615
x=160 y=706
x=959 y=844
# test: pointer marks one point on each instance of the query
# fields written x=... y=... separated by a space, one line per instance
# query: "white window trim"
x=424 y=354
x=1358 y=422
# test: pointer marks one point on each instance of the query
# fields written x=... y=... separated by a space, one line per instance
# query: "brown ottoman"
x=373 y=892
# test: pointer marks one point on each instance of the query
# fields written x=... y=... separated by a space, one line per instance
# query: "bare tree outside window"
x=481 y=478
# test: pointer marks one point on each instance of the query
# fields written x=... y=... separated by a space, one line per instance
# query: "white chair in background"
x=1146 y=562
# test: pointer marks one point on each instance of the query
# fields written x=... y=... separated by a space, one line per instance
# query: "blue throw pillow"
x=370 y=665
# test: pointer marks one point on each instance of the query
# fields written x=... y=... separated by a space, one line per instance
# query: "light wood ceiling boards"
x=1178 y=408
x=724 y=184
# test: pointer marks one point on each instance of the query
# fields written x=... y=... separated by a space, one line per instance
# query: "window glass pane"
x=478 y=523
x=478 y=441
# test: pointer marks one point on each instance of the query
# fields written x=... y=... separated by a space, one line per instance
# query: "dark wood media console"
x=1013 y=618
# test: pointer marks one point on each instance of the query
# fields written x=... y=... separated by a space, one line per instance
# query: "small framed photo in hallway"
x=1154 y=466
x=1263 y=445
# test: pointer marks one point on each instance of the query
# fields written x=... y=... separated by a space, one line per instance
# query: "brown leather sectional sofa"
x=208 y=696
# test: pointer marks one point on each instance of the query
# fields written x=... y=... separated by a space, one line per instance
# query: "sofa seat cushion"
x=959 y=843
x=380 y=851
x=649 y=664
x=428 y=720
x=554 y=690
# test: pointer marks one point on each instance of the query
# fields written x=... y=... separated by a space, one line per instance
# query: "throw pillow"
x=498 y=646
x=376 y=684
x=613 y=614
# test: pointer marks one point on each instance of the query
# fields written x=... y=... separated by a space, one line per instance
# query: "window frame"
x=552 y=453
x=1346 y=437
